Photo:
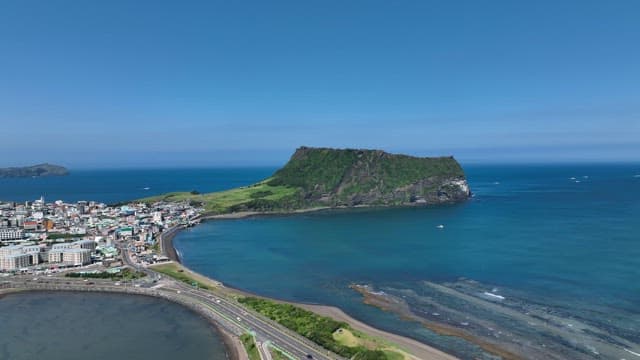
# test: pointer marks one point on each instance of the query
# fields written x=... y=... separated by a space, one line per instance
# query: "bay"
x=68 y=326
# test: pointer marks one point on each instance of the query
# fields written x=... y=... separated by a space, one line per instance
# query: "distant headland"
x=316 y=178
x=35 y=170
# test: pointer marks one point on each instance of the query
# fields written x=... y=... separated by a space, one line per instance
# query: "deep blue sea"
x=113 y=186
x=561 y=243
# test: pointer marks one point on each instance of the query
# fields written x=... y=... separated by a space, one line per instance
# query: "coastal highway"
x=227 y=312
x=264 y=329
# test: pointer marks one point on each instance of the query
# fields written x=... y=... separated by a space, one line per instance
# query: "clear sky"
x=155 y=83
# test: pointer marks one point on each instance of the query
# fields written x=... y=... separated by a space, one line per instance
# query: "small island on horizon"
x=316 y=178
x=39 y=170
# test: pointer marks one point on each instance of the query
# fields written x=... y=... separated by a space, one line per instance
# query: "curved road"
x=227 y=312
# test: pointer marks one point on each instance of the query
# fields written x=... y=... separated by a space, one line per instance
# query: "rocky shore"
x=503 y=322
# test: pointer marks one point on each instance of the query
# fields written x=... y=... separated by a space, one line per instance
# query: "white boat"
x=440 y=226
x=146 y=188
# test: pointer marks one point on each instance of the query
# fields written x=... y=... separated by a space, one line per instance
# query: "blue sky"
x=153 y=83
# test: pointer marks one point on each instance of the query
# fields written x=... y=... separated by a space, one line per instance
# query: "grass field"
x=277 y=355
x=353 y=338
x=173 y=270
x=250 y=345
x=258 y=196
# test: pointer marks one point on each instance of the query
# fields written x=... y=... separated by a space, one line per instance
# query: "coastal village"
x=40 y=238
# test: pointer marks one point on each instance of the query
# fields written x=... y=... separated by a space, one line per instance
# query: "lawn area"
x=259 y=196
x=354 y=338
x=250 y=346
x=277 y=355
x=173 y=270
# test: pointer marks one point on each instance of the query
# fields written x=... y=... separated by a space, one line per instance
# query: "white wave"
x=632 y=352
x=494 y=296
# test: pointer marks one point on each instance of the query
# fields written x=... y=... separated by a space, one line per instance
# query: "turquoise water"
x=68 y=326
x=532 y=232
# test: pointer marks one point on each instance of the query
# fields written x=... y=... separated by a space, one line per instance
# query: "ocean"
x=543 y=261
x=560 y=244
x=114 y=186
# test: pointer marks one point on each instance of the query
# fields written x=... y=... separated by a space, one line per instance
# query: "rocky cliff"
x=352 y=177
x=323 y=177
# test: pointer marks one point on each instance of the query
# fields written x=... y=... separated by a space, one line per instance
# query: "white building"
x=15 y=257
x=14 y=262
x=11 y=234
x=55 y=256
x=60 y=247
x=72 y=254
x=85 y=244
x=76 y=257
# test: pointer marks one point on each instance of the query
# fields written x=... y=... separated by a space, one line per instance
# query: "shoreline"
x=418 y=350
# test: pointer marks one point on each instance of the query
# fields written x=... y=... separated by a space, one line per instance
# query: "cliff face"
x=351 y=177
x=35 y=170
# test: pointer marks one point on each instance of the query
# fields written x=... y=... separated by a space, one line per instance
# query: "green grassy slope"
x=258 y=197
x=343 y=173
x=316 y=177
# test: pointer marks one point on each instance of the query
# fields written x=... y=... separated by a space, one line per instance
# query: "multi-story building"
x=14 y=262
x=54 y=256
x=76 y=257
x=85 y=244
x=15 y=257
x=7 y=234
